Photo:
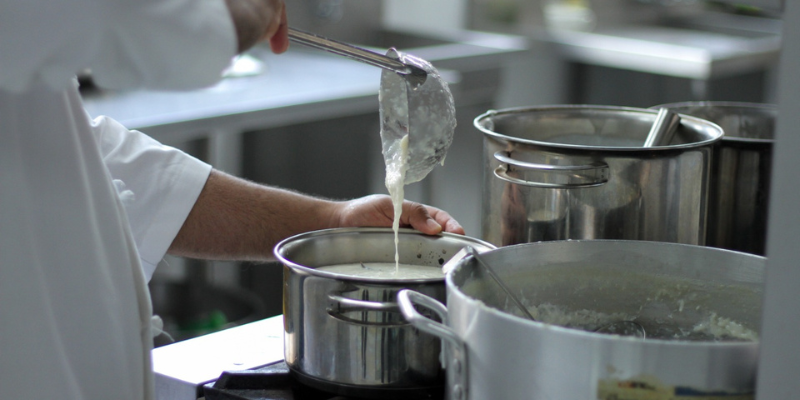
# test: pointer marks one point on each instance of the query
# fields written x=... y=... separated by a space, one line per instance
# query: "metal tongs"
x=413 y=73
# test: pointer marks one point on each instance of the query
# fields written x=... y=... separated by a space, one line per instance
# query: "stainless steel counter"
x=694 y=44
x=684 y=53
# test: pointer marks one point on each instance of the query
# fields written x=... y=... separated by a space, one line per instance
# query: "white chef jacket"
x=74 y=306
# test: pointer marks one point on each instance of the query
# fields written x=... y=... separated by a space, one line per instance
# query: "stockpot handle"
x=457 y=367
x=591 y=175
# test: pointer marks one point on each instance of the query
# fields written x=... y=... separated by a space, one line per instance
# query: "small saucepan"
x=345 y=334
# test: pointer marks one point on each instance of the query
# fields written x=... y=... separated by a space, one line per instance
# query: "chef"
x=88 y=208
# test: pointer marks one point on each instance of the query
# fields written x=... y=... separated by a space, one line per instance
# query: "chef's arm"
x=234 y=219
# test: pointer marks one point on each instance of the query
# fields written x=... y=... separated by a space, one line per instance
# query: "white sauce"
x=386 y=270
x=396 y=166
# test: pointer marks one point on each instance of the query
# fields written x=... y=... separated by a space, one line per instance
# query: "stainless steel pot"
x=740 y=173
x=493 y=353
x=580 y=172
x=345 y=334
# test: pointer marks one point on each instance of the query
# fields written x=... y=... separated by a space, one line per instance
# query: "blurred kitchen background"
x=308 y=121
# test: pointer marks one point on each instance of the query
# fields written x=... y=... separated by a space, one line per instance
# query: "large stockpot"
x=740 y=173
x=344 y=334
x=493 y=353
x=580 y=172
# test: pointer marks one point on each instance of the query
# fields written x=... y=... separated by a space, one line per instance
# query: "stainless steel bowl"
x=345 y=334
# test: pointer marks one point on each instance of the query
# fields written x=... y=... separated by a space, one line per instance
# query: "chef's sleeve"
x=158 y=186
x=161 y=44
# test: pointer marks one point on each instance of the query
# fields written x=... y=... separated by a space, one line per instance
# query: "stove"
x=276 y=382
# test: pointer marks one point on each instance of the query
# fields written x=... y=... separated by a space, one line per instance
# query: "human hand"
x=377 y=210
x=259 y=20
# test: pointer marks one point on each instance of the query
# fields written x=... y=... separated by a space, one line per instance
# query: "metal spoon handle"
x=663 y=128
x=350 y=51
x=502 y=285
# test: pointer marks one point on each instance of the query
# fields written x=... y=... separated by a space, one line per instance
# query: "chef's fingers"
x=279 y=37
x=259 y=20
x=377 y=210
x=429 y=220
x=417 y=216
x=448 y=223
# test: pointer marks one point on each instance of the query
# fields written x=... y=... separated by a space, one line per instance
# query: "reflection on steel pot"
x=345 y=334
x=667 y=287
x=580 y=172
x=740 y=173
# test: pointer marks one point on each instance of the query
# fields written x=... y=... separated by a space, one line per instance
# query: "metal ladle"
x=623 y=328
x=420 y=105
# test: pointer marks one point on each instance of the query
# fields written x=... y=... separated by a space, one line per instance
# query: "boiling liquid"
x=386 y=271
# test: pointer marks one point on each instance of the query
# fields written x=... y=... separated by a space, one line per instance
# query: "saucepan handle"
x=339 y=306
x=346 y=304
x=575 y=176
x=407 y=298
x=457 y=363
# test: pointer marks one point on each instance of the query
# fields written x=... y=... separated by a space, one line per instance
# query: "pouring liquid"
x=396 y=166
x=417 y=125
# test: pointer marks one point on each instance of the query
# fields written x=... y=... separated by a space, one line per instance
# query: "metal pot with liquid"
x=343 y=331
x=700 y=308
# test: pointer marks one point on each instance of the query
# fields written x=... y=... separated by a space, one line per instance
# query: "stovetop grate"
x=270 y=382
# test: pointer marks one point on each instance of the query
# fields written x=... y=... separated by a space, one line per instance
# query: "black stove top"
x=276 y=382
x=271 y=382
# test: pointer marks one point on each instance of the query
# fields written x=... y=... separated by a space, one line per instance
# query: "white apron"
x=74 y=306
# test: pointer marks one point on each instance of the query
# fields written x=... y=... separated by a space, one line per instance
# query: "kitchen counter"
x=181 y=369
x=702 y=47
x=669 y=51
